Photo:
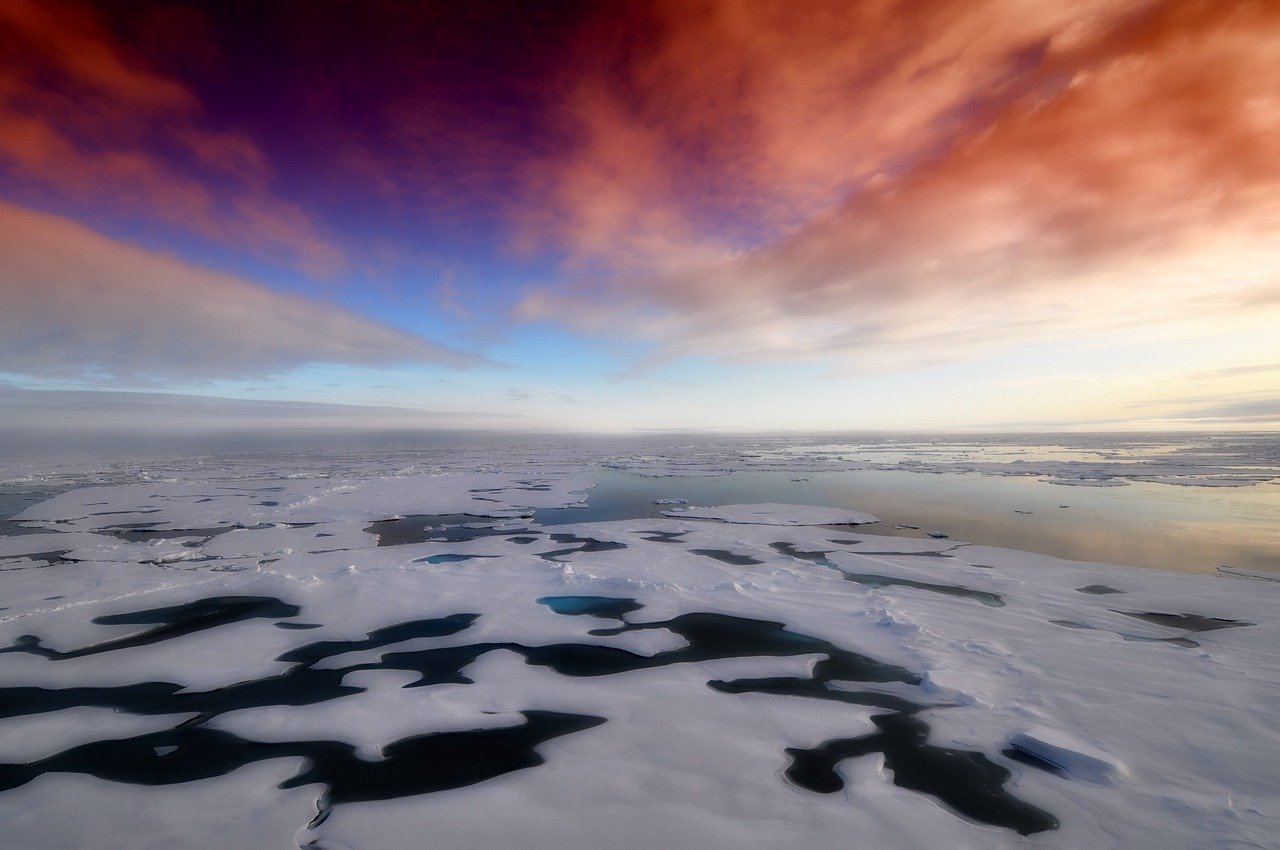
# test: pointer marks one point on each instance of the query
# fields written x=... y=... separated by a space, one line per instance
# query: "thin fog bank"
x=54 y=422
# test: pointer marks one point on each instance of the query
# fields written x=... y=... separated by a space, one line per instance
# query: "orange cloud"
x=71 y=39
x=78 y=304
x=81 y=116
x=890 y=183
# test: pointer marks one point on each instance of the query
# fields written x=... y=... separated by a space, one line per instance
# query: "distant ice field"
x=1191 y=503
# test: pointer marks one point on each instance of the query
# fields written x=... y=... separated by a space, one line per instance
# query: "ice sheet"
x=1139 y=717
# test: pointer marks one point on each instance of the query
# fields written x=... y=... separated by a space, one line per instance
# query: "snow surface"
x=1149 y=730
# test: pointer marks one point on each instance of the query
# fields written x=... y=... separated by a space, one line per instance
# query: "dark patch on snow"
x=450 y=528
x=1098 y=589
x=414 y=529
x=313 y=653
x=587 y=545
x=1184 y=642
x=14 y=528
x=1032 y=760
x=1190 y=622
x=419 y=765
x=708 y=637
x=727 y=557
x=817 y=557
x=125 y=513
x=967 y=782
x=716 y=636
x=448 y=558
x=174 y=621
x=142 y=532
x=907 y=554
x=663 y=536
x=57 y=556
x=876 y=580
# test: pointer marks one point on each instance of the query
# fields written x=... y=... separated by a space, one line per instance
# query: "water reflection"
x=1191 y=529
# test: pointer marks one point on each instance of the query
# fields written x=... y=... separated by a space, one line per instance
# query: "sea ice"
x=266 y=675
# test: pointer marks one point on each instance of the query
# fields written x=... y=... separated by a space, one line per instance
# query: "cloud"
x=74 y=303
x=516 y=394
x=87 y=121
x=35 y=422
x=1260 y=410
x=1045 y=381
x=57 y=405
x=1238 y=371
x=892 y=185
x=1257 y=408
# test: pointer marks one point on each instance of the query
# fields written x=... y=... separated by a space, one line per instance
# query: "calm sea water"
x=1193 y=529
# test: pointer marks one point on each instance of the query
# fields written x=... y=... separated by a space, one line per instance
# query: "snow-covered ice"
x=267 y=671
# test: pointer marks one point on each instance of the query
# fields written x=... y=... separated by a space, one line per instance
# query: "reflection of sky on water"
x=1153 y=525
x=956 y=453
x=1251 y=450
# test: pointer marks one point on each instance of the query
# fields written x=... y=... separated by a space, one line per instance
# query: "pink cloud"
x=81 y=116
x=889 y=183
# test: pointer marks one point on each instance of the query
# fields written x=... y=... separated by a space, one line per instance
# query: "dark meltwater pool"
x=965 y=781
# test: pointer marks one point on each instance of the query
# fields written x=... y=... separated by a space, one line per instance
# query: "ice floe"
x=197 y=667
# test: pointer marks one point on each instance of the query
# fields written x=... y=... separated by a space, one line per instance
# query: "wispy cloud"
x=518 y=394
x=897 y=189
x=1045 y=381
x=1243 y=370
x=1260 y=410
x=54 y=411
x=74 y=303
x=88 y=122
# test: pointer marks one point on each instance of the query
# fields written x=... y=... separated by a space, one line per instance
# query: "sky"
x=739 y=215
